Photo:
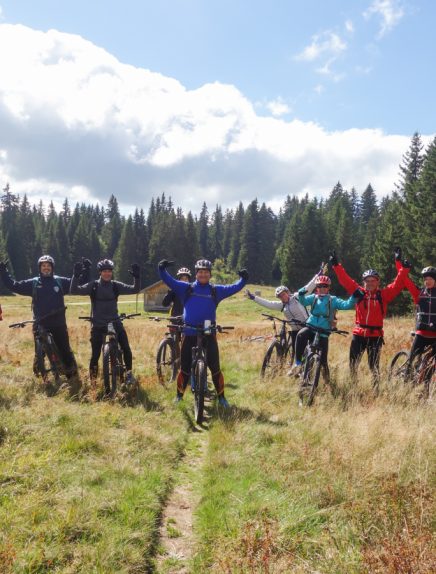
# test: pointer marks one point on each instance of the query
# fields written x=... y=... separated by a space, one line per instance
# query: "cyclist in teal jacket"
x=322 y=312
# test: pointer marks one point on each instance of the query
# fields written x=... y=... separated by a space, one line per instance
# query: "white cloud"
x=349 y=26
x=278 y=107
x=325 y=44
x=76 y=122
x=390 y=12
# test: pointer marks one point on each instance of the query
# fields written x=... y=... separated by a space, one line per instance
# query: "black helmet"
x=105 y=264
x=429 y=272
x=183 y=271
x=203 y=264
x=46 y=259
x=370 y=273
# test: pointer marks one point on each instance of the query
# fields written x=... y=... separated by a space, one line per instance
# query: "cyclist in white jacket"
x=289 y=304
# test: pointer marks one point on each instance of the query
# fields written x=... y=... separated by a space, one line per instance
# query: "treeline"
x=276 y=248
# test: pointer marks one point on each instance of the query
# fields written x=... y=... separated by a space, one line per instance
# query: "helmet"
x=203 y=264
x=46 y=259
x=105 y=264
x=323 y=280
x=429 y=272
x=370 y=273
x=281 y=289
x=183 y=271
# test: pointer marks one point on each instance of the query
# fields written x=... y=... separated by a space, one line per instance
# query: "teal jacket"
x=323 y=308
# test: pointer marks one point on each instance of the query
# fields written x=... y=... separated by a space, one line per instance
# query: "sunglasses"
x=323 y=286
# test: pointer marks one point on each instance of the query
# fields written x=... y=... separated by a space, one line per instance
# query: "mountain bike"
x=280 y=349
x=419 y=371
x=114 y=369
x=199 y=365
x=168 y=351
x=47 y=362
x=312 y=363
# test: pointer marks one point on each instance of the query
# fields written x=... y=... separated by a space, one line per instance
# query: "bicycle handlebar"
x=274 y=318
x=119 y=318
x=202 y=329
x=22 y=324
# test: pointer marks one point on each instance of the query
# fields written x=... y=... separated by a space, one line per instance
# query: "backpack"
x=331 y=314
x=93 y=294
x=190 y=290
x=37 y=282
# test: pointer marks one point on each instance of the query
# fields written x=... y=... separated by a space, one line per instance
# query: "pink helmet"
x=323 y=280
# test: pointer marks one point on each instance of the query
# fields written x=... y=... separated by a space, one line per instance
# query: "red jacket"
x=371 y=310
x=417 y=295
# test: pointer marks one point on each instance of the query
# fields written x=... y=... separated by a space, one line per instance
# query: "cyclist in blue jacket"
x=322 y=311
x=201 y=299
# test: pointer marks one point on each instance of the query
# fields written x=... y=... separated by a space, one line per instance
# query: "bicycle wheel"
x=309 y=384
x=199 y=390
x=48 y=363
x=110 y=369
x=398 y=369
x=273 y=360
x=426 y=376
x=166 y=364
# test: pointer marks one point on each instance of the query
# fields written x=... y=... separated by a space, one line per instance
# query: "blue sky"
x=356 y=73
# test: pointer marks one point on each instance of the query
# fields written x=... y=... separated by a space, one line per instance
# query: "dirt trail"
x=176 y=537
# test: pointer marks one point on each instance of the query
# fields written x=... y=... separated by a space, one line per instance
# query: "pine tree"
x=250 y=243
x=111 y=231
x=235 y=243
x=126 y=252
x=203 y=232
x=217 y=234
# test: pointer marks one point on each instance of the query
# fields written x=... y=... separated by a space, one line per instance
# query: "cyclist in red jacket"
x=370 y=312
x=425 y=300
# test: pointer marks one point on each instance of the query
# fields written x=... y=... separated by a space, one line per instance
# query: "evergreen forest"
x=286 y=247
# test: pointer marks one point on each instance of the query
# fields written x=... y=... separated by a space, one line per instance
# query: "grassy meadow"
x=344 y=487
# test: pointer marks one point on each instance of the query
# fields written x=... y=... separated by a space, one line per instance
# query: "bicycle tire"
x=48 y=363
x=166 y=363
x=200 y=376
x=309 y=383
x=110 y=369
x=398 y=368
x=273 y=360
x=426 y=376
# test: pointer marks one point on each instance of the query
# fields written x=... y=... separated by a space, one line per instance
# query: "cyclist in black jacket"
x=104 y=299
x=183 y=274
x=47 y=291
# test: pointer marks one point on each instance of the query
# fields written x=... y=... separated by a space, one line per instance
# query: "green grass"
x=344 y=487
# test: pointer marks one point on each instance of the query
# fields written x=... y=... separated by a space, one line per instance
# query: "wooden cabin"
x=153 y=295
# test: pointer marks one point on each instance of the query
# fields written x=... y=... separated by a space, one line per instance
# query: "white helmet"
x=46 y=259
x=281 y=289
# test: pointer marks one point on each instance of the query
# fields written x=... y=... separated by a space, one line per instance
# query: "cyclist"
x=289 y=304
x=47 y=291
x=104 y=294
x=370 y=311
x=322 y=314
x=183 y=274
x=425 y=300
x=200 y=299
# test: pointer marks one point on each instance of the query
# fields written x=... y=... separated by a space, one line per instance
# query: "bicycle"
x=47 y=362
x=114 y=369
x=312 y=363
x=419 y=370
x=280 y=348
x=168 y=352
x=199 y=365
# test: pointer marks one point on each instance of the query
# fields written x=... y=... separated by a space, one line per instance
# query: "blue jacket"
x=200 y=305
x=323 y=308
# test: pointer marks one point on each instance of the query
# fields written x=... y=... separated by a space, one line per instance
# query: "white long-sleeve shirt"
x=293 y=309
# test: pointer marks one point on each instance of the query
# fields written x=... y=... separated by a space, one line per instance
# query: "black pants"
x=304 y=335
x=419 y=345
x=97 y=336
x=62 y=341
x=373 y=347
x=213 y=362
